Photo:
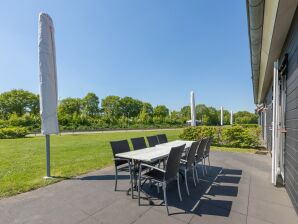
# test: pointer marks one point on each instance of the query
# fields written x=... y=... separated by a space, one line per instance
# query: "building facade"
x=273 y=37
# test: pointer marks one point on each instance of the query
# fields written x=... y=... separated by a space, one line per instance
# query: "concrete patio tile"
x=175 y=211
x=153 y=216
x=263 y=179
x=43 y=212
x=4 y=217
x=231 y=190
x=270 y=194
x=123 y=211
x=252 y=220
x=93 y=202
x=63 y=215
x=239 y=204
x=272 y=212
x=232 y=218
x=89 y=220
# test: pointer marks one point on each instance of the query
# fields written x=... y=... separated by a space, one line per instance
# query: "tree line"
x=21 y=108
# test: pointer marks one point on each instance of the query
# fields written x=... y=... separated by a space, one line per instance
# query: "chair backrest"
x=119 y=147
x=191 y=154
x=162 y=138
x=201 y=148
x=173 y=162
x=208 y=144
x=138 y=143
x=152 y=140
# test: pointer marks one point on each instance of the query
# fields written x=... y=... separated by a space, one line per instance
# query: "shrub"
x=231 y=136
x=249 y=125
x=189 y=133
x=235 y=136
x=29 y=121
x=13 y=132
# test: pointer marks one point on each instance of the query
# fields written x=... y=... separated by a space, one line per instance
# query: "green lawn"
x=22 y=161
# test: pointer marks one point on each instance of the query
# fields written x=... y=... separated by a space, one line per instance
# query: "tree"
x=185 y=112
x=226 y=117
x=111 y=106
x=70 y=106
x=148 y=107
x=90 y=103
x=201 y=111
x=211 y=116
x=146 y=113
x=245 y=117
x=160 y=111
x=18 y=101
x=130 y=107
x=176 y=117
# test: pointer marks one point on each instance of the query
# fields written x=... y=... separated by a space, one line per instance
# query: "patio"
x=237 y=190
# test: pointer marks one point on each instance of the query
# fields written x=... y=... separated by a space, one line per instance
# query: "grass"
x=22 y=161
x=228 y=149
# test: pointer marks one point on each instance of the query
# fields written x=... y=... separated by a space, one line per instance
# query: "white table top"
x=152 y=154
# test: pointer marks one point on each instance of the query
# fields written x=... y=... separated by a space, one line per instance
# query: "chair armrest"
x=121 y=159
x=153 y=167
x=183 y=161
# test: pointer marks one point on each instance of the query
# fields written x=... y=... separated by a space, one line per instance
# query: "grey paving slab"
x=252 y=220
x=272 y=212
x=123 y=211
x=237 y=189
x=270 y=194
x=231 y=218
x=156 y=217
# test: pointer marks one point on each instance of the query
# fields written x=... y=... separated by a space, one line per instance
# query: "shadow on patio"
x=201 y=199
x=237 y=189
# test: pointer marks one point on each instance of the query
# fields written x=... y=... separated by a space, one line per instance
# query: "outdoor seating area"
x=143 y=163
x=236 y=189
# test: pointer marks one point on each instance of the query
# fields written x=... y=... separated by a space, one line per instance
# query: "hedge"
x=13 y=132
x=230 y=136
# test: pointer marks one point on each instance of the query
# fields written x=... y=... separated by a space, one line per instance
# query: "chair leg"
x=203 y=169
x=116 y=178
x=197 y=176
x=193 y=176
x=209 y=161
x=178 y=186
x=139 y=188
x=205 y=166
x=186 y=184
x=164 y=187
x=157 y=186
x=132 y=177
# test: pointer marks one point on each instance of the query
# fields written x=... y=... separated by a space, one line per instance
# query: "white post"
x=265 y=126
x=274 y=123
x=192 y=108
x=221 y=115
x=231 y=118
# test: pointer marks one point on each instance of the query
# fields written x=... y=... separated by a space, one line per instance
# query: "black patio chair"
x=138 y=143
x=121 y=164
x=207 y=151
x=200 y=156
x=188 y=164
x=164 y=176
x=152 y=140
x=162 y=138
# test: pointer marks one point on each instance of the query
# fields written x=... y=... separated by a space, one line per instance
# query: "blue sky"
x=156 y=51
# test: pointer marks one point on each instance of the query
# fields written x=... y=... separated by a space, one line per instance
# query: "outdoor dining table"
x=151 y=154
